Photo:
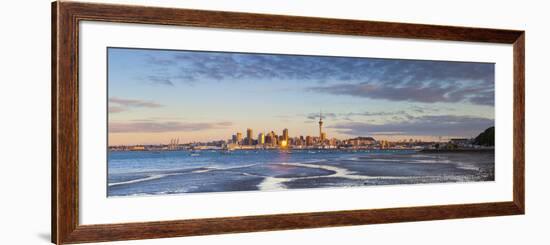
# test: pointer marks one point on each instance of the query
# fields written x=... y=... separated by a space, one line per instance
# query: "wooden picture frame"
x=65 y=121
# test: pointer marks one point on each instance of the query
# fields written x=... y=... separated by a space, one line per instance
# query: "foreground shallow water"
x=175 y=172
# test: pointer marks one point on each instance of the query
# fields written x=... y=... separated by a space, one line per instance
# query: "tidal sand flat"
x=176 y=172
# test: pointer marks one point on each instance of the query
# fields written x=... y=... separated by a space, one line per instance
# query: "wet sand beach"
x=141 y=173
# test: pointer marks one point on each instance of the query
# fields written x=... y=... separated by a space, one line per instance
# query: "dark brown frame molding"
x=65 y=120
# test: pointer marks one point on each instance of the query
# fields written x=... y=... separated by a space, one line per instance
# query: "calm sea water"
x=174 y=172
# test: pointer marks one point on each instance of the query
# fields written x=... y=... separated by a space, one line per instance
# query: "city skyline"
x=157 y=95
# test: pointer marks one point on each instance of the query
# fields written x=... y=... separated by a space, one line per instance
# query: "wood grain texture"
x=519 y=122
x=54 y=123
x=234 y=20
x=65 y=104
x=149 y=230
x=65 y=121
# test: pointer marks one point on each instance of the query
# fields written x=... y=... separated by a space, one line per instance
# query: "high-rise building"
x=297 y=141
x=261 y=139
x=309 y=140
x=249 y=139
x=239 y=138
x=274 y=138
x=285 y=134
x=323 y=137
x=234 y=139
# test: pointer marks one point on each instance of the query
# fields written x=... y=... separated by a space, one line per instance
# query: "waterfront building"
x=285 y=134
x=462 y=142
x=274 y=138
x=309 y=140
x=137 y=148
x=323 y=137
x=234 y=139
x=362 y=141
x=261 y=139
x=459 y=141
x=270 y=138
x=297 y=141
x=239 y=138
x=249 y=139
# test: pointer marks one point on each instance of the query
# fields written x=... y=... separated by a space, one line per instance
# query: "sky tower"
x=320 y=124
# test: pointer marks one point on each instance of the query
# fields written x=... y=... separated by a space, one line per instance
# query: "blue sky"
x=155 y=95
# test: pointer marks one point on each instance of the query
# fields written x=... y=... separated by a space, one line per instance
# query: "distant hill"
x=487 y=138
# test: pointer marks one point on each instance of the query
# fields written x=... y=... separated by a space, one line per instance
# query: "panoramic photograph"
x=183 y=121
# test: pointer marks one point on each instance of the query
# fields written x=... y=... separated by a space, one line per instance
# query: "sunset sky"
x=156 y=95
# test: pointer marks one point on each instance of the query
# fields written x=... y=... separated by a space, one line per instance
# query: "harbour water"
x=135 y=173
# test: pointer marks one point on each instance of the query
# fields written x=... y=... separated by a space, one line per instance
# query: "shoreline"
x=478 y=150
x=481 y=150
